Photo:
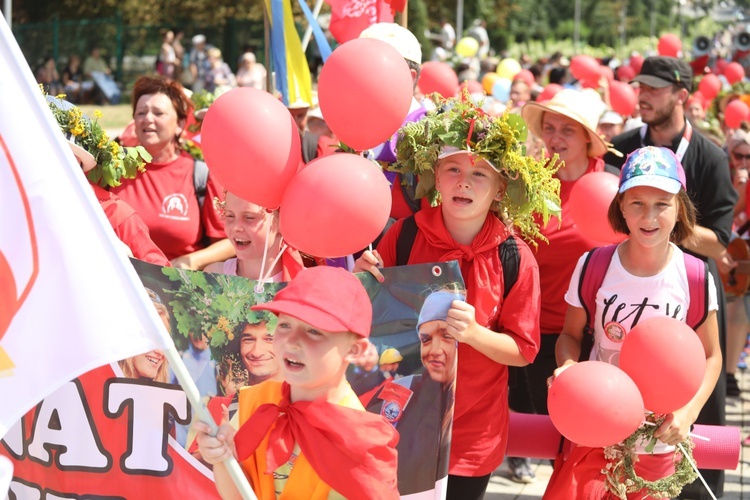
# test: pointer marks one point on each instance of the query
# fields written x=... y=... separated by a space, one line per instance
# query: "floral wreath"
x=622 y=478
x=458 y=122
x=215 y=305
x=113 y=162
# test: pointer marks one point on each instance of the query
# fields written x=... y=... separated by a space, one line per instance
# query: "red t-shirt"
x=480 y=420
x=558 y=259
x=129 y=227
x=164 y=196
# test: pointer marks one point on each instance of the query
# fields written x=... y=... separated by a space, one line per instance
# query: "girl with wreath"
x=653 y=208
x=473 y=168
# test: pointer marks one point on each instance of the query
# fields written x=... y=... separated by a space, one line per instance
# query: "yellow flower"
x=97 y=114
x=114 y=148
x=61 y=96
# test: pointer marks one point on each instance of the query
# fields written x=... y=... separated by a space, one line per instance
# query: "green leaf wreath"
x=531 y=188
x=216 y=305
x=620 y=471
x=113 y=162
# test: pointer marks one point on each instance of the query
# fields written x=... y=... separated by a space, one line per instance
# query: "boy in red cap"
x=309 y=435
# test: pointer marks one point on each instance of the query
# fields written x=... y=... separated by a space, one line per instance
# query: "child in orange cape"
x=309 y=436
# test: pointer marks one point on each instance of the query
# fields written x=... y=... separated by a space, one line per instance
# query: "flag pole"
x=270 y=84
x=193 y=395
x=309 y=30
x=405 y=15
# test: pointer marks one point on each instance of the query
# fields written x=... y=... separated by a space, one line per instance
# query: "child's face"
x=313 y=362
x=246 y=225
x=650 y=214
x=438 y=350
x=467 y=186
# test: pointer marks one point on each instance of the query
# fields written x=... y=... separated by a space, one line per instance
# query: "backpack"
x=510 y=259
x=592 y=276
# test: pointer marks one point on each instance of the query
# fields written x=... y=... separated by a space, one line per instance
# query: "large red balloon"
x=588 y=204
x=666 y=360
x=669 y=45
x=710 y=86
x=622 y=98
x=335 y=206
x=734 y=72
x=595 y=404
x=584 y=67
x=549 y=92
x=365 y=81
x=251 y=144
x=735 y=113
x=607 y=72
x=438 y=77
x=636 y=62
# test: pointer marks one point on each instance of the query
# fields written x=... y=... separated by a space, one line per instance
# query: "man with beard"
x=665 y=85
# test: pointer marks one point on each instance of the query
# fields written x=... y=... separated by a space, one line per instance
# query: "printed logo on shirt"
x=391 y=411
x=614 y=331
x=175 y=207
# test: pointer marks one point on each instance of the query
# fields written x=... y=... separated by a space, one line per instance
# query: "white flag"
x=69 y=301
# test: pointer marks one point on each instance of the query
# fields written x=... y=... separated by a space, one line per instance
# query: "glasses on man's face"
x=740 y=156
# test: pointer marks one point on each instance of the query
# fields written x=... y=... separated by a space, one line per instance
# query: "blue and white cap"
x=436 y=306
x=654 y=167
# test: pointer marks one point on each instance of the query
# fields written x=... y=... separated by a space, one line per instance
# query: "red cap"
x=328 y=298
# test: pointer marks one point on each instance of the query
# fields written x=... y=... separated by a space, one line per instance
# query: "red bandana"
x=476 y=260
x=353 y=452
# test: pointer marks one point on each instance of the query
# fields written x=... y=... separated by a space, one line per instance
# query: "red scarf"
x=353 y=451
x=477 y=261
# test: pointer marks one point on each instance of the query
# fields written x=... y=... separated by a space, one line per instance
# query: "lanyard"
x=684 y=142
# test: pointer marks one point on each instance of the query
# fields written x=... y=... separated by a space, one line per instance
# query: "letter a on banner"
x=69 y=301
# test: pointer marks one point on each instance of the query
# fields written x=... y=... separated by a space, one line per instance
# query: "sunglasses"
x=740 y=157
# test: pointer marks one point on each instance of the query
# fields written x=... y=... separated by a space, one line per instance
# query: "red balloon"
x=549 y=92
x=666 y=360
x=253 y=158
x=584 y=67
x=335 y=206
x=438 y=77
x=720 y=66
x=710 y=86
x=669 y=45
x=735 y=113
x=350 y=95
x=734 y=72
x=622 y=98
x=636 y=62
x=527 y=76
x=607 y=72
x=588 y=205
x=473 y=86
x=590 y=83
x=613 y=414
x=625 y=73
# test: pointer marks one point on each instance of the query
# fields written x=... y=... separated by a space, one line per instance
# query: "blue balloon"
x=501 y=89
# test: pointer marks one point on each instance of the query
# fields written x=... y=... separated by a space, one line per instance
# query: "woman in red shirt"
x=189 y=233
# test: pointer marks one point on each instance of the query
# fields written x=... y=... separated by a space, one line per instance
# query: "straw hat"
x=576 y=105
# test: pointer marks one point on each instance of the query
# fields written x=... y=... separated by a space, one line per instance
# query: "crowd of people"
x=681 y=198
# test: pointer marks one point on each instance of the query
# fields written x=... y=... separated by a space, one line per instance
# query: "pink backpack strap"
x=697 y=275
x=592 y=276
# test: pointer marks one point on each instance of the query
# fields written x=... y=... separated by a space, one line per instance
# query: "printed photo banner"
x=123 y=430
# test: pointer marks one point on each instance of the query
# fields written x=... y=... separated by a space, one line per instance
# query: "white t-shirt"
x=624 y=300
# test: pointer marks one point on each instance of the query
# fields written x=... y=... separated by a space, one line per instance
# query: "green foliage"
x=215 y=305
x=113 y=163
x=531 y=188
